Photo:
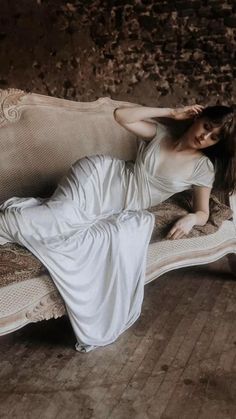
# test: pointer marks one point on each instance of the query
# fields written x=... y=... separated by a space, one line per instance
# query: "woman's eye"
x=207 y=126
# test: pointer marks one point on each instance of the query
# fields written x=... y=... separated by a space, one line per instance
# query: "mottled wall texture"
x=154 y=52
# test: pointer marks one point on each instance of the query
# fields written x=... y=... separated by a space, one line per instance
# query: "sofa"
x=40 y=137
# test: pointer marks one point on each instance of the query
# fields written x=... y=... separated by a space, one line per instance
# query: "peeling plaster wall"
x=155 y=52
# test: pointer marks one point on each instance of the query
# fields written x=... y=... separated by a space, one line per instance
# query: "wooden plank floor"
x=177 y=361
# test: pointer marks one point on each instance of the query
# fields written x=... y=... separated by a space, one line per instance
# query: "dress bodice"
x=155 y=184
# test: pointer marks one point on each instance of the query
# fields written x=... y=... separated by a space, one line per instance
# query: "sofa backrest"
x=41 y=136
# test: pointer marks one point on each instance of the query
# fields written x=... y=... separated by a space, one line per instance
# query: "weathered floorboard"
x=177 y=361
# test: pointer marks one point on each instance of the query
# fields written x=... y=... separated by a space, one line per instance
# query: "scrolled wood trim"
x=47 y=307
x=196 y=257
x=50 y=306
x=9 y=99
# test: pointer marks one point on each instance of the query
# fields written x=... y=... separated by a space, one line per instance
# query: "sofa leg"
x=232 y=262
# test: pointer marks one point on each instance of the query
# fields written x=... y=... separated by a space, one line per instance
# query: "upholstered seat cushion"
x=169 y=211
x=18 y=264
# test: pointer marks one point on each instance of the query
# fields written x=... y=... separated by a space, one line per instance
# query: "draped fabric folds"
x=93 y=234
x=95 y=251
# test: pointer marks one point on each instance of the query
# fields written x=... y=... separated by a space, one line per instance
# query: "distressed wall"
x=154 y=52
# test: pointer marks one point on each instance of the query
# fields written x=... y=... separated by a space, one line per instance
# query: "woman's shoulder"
x=204 y=172
x=205 y=161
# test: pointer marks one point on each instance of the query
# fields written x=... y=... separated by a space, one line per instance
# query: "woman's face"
x=203 y=133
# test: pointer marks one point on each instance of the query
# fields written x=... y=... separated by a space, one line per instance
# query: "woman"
x=210 y=136
x=93 y=233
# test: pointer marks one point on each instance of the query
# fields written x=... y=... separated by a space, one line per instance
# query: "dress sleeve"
x=204 y=173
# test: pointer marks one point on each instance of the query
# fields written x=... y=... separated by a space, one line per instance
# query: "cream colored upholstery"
x=40 y=137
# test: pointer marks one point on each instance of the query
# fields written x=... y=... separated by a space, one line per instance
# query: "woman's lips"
x=197 y=140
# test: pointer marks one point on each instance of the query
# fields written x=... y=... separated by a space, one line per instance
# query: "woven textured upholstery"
x=41 y=136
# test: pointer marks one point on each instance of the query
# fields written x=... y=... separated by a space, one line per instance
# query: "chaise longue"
x=40 y=137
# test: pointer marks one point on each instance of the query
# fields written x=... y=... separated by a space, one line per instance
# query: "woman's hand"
x=187 y=112
x=181 y=227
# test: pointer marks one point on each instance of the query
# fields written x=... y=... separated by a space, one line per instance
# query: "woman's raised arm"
x=138 y=113
x=133 y=119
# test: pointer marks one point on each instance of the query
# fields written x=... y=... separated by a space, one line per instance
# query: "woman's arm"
x=134 y=118
x=201 y=196
x=131 y=114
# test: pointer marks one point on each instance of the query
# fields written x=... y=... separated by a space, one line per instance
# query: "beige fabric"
x=41 y=136
x=168 y=212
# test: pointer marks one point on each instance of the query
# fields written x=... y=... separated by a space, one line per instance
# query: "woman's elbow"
x=116 y=115
x=205 y=216
x=202 y=217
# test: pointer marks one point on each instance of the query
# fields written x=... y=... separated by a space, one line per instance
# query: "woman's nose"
x=202 y=138
x=205 y=136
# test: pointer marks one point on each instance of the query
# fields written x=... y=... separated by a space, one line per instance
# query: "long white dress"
x=93 y=233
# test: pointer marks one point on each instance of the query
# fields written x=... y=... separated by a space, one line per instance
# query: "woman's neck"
x=181 y=145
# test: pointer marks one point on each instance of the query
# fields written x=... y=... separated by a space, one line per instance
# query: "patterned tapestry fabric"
x=168 y=212
x=17 y=263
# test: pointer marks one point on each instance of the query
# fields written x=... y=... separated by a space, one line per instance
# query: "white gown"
x=93 y=233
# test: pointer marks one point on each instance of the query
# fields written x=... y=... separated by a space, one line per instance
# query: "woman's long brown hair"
x=223 y=153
